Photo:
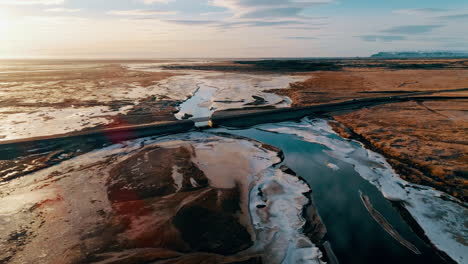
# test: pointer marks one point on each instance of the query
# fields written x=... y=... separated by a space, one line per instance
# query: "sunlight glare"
x=4 y=22
x=6 y=31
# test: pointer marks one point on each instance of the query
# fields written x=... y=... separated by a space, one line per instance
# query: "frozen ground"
x=58 y=99
x=65 y=98
x=72 y=197
x=211 y=91
x=44 y=121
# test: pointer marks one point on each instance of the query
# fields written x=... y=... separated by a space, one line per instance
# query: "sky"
x=228 y=28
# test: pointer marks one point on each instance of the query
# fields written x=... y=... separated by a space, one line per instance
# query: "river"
x=354 y=235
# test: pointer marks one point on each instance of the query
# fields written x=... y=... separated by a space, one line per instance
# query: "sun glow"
x=7 y=31
x=5 y=19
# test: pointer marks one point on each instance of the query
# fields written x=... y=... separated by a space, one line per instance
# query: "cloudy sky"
x=228 y=28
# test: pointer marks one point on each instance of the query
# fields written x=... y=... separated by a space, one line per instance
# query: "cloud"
x=62 y=10
x=453 y=17
x=301 y=38
x=140 y=12
x=32 y=2
x=267 y=13
x=54 y=20
x=420 y=11
x=412 y=29
x=149 y=2
x=310 y=27
x=443 y=39
x=239 y=23
x=192 y=22
x=255 y=23
x=260 y=23
x=273 y=12
x=384 y=38
x=215 y=13
x=267 y=8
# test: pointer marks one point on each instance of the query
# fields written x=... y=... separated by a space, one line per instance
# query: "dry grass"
x=426 y=141
x=324 y=87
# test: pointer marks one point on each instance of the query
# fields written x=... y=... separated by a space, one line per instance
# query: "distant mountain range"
x=421 y=54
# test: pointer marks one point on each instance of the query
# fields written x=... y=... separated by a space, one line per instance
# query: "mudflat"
x=63 y=96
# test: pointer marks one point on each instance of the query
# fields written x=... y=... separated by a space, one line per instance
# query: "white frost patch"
x=333 y=166
x=157 y=66
x=211 y=91
x=230 y=91
x=278 y=222
x=49 y=121
x=178 y=87
x=14 y=203
x=208 y=92
x=193 y=182
x=276 y=203
x=23 y=122
x=178 y=177
x=442 y=217
x=226 y=162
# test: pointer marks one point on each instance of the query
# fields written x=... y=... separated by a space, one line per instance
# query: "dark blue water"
x=353 y=233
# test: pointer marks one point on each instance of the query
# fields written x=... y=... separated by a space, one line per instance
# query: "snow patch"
x=226 y=162
x=178 y=177
x=333 y=166
x=276 y=203
x=211 y=91
x=45 y=121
